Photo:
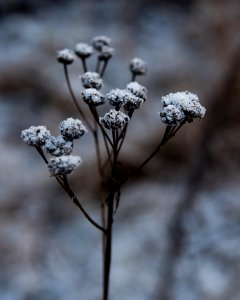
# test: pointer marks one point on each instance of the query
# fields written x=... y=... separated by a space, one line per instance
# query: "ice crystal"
x=100 y=41
x=93 y=97
x=91 y=80
x=72 y=129
x=65 y=56
x=138 y=66
x=58 y=146
x=35 y=135
x=63 y=165
x=137 y=89
x=83 y=50
x=114 y=120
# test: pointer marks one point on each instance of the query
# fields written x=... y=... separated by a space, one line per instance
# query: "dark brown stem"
x=104 y=67
x=84 y=64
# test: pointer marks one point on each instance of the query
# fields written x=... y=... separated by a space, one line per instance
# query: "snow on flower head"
x=58 y=146
x=35 y=135
x=138 y=66
x=137 y=89
x=72 y=129
x=93 y=97
x=91 y=80
x=171 y=115
x=83 y=50
x=106 y=53
x=187 y=103
x=63 y=165
x=132 y=102
x=114 y=120
x=100 y=41
x=117 y=97
x=65 y=56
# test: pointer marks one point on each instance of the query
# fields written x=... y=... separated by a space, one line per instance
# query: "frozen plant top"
x=185 y=104
x=137 y=89
x=83 y=50
x=138 y=66
x=91 y=80
x=35 y=135
x=72 y=129
x=114 y=119
x=100 y=41
x=63 y=165
x=106 y=53
x=65 y=56
x=132 y=102
x=93 y=97
x=58 y=146
x=117 y=97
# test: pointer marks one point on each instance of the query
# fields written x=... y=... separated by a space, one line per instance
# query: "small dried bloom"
x=171 y=115
x=137 y=89
x=83 y=50
x=35 y=135
x=186 y=102
x=132 y=102
x=138 y=66
x=100 y=41
x=117 y=97
x=114 y=120
x=93 y=97
x=63 y=165
x=65 y=56
x=91 y=80
x=58 y=146
x=106 y=53
x=72 y=129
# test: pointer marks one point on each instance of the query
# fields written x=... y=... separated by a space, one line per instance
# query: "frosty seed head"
x=58 y=146
x=65 y=56
x=63 y=165
x=106 y=53
x=114 y=120
x=72 y=129
x=138 y=66
x=100 y=41
x=93 y=97
x=91 y=80
x=188 y=103
x=132 y=102
x=137 y=89
x=83 y=50
x=35 y=135
x=170 y=115
x=117 y=97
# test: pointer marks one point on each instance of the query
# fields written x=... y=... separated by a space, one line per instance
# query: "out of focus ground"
x=176 y=234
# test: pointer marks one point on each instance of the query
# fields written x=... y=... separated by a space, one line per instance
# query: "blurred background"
x=176 y=234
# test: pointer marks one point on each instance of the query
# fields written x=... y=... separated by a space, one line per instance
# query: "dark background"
x=176 y=234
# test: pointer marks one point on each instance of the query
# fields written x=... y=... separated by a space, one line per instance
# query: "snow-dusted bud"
x=63 y=165
x=186 y=102
x=137 y=89
x=114 y=120
x=117 y=97
x=91 y=80
x=65 y=56
x=72 y=129
x=138 y=66
x=170 y=115
x=132 y=102
x=35 y=135
x=106 y=53
x=58 y=146
x=83 y=50
x=100 y=41
x=93 y=97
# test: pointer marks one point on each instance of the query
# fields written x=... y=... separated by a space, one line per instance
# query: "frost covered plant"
x=109 y=129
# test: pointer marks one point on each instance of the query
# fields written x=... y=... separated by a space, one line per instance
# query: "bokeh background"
x=177 y=231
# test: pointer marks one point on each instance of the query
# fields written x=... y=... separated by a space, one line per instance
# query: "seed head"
x=58 y=146
x=63 y=165
x=35 y=135
x=100 y=41
x=72 y=129
x=171 y=115
x=93 y=97
x=65 y=56
x=114 y=120
x=91 y=80
x=117 y=97
x=83 y=50
x=106 y=53
x=138 y=66
x=132 y=102
x=137 y=89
